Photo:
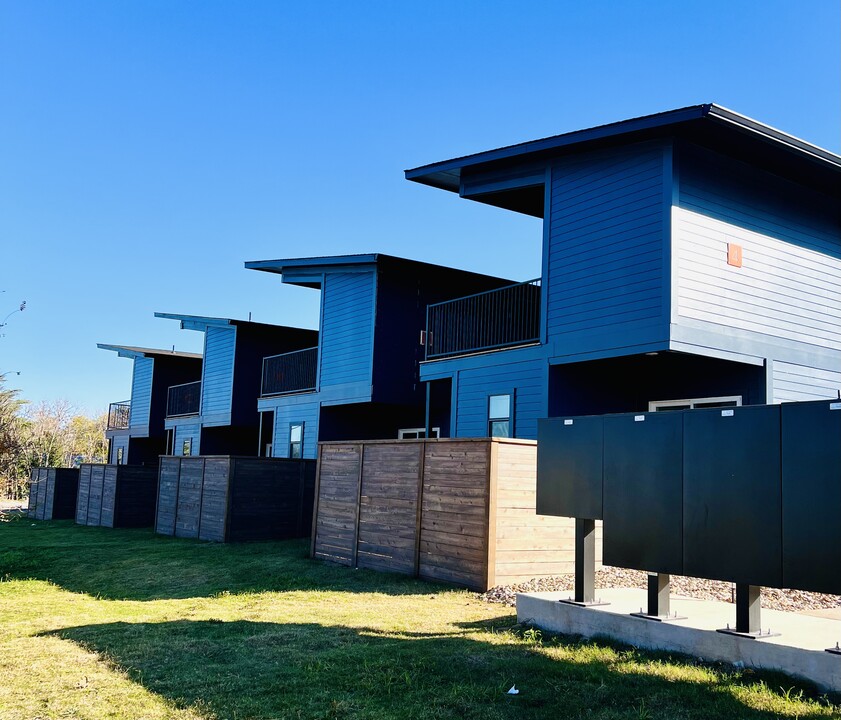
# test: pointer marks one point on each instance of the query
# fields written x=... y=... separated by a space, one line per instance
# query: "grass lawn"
x=100 y=623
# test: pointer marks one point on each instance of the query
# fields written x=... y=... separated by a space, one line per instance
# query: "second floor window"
x=296 y=440
x=499 y=415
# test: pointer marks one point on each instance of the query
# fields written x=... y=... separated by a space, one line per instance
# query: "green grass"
x=125 y=624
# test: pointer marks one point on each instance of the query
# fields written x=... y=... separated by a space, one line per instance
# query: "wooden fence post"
x=419 y=516
x=358 y=505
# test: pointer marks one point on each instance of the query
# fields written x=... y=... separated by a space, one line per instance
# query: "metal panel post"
x=658 y=594
x=585 y=560
x=585 y=564
x=748 y=607
x=748 y=611
x=659 y=585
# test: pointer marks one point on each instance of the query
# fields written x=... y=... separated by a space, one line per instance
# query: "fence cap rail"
x=391 y=441
x=277 y=460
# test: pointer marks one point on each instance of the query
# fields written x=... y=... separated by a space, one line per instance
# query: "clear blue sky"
x=150 y=147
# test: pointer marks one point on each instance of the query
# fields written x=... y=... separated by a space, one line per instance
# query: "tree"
x=13 y=455
x=87 y=442
x=49 y=434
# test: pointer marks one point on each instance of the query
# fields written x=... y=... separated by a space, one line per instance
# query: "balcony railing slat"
x=290 y=372
x=183 y=399
x=506 y=317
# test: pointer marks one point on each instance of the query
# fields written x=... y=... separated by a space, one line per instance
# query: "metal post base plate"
x=584 y=603
x=755 y=635
x=659 y=618
x=836 y=650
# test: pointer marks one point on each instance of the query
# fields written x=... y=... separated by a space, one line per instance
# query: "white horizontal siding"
x=799 y=382
x=785 y=291
x=218 y=370
x=141 y=391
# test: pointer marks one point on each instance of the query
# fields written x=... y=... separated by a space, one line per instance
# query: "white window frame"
x=655 y=405
x=401 y=434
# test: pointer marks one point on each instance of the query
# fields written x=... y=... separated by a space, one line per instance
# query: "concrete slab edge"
x=821 y=668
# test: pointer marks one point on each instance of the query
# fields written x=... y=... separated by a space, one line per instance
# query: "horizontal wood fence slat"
x=116 y=495
x=225 y=498
x=460 y=511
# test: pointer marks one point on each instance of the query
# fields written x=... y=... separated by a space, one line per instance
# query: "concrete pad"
x=798 y=651
x=829 y=613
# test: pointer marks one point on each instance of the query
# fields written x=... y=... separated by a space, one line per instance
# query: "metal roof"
x=306 y=271
x=131 y=351
x=447 y=174
x=202 y=322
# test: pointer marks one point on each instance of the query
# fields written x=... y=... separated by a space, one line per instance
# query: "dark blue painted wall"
x=606 y=270
x=628 y=384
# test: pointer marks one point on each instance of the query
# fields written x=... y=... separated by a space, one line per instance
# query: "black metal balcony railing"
x=506 y=317
x=119 y=415
x=290 y=372
x=183 y=399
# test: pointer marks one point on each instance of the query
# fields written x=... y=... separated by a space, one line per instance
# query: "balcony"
x=118 y=415
x=290 y=372
x=492 y=320
x=183 y=399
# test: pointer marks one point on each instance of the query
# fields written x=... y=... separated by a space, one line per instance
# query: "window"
x=187 y=447
x=417 y=433
x=499 y=415
x=296 y=440
x=119 y=456
x=694 y=403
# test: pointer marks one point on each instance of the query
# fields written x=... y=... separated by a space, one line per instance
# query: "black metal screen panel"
x=811 y=461
x=643 y=491
x=183 y=399
x=290 y=372
x=569 y=467
x=732 y=502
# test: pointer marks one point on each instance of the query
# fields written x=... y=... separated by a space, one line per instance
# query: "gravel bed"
x=612 y=577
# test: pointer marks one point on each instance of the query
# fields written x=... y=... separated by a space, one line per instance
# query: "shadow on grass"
x=120 y=564
x=264 y=670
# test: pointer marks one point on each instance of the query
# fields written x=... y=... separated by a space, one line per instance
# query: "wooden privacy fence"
x=117 y=495
x=52 y=493
x=455 y=510
x=231 y=499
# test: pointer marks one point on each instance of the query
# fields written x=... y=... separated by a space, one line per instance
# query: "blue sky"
x=150 y=147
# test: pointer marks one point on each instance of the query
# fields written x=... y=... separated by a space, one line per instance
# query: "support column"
x=659 y=585
x=585 y=563
x=427 y=424
x=748 y=613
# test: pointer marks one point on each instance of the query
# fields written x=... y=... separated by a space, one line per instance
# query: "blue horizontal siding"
x=528 y=382
x=182 y=432
x=604 y=274
x=119 y=441
x=141 y=391
x=347 y=328
x=218 y=370
x=307 y=413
